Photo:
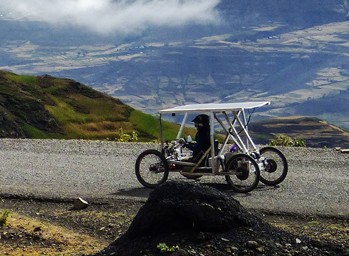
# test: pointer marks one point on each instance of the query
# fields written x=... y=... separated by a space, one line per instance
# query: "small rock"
x=180 y=252
x=231 y=250
x=252 y=244
x=248 y=253
x=79 y=204
x=278 y=245
x=200 y=236
x=37 y=229
x=345 y=151
x=234 y=249
x=260 y=249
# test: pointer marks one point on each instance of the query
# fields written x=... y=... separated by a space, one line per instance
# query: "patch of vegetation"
x=147 y=124
x=4 y=218
x=143 y=123
x=32 y=132
x=65 y=113
x=287 y=141
x=125 y=137
x=22 y=79
x=164 y=248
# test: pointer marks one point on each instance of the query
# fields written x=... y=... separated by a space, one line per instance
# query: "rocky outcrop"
x=184 y=207
x=181 y=214
x=9 y=128
x=190 y=219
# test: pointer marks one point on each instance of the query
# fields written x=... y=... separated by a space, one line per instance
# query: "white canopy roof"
x=215 y=107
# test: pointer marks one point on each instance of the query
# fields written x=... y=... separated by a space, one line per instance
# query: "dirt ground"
x=41 y=227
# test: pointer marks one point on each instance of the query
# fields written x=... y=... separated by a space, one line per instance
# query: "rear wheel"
x=244 y=171
x=275 y=166
x=151 y=168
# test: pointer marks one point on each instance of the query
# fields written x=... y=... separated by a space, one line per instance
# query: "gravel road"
x=317 y=182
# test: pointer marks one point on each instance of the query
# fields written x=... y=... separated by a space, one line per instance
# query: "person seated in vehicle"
x=202 y=137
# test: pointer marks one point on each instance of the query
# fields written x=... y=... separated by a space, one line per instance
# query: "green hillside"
x=49 y=107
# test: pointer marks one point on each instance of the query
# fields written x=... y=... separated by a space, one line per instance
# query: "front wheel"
x=274 y=164
x=151 y=168
x=243 y=174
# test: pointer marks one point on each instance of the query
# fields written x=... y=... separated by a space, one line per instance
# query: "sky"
x=112 y=16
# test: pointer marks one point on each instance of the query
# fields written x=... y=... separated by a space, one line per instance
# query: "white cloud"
x=113 y=16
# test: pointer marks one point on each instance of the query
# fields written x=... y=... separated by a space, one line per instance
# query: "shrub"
x=287 y=141
x=299 y=142
x=4 y=218
x=125 y=137
x=164 y=248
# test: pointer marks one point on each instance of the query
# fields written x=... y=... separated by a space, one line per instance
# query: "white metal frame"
x=231 y=117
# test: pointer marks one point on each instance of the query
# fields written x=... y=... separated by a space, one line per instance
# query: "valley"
x=292 y=54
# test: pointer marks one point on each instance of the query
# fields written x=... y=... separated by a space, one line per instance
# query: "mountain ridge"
x=315 y=132
x=49 y=107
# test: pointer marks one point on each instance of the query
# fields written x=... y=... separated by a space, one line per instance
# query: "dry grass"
x=29 y=236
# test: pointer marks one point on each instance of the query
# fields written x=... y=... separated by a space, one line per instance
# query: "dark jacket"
x=202 y=139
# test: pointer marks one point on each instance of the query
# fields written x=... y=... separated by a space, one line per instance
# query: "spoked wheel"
x=151 y=168
x=275 y=166
x=244 y=171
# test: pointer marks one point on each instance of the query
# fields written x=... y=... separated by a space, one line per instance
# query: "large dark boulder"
x=186 y=207
x=200 y=220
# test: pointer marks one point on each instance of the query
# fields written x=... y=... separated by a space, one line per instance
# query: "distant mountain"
x=49 y=107
x=293 y=53
x=315 y=132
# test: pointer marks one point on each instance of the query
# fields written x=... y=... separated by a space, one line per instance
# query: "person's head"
x=201 y=121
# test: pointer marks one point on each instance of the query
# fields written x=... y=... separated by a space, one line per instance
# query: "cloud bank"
x=113 y=16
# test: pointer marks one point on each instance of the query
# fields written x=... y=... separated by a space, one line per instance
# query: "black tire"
x=151 y=168
x=246 y=173
x=275 y=166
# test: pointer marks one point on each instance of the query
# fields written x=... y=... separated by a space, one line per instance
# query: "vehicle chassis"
x=243 y=164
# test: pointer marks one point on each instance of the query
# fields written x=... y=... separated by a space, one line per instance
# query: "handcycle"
x=236 y=158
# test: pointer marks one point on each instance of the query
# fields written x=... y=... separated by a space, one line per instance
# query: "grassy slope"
x=48 y=107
